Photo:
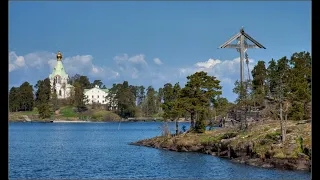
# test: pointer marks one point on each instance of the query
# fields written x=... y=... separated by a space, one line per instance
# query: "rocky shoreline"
x=261 y=152
x=240 y=156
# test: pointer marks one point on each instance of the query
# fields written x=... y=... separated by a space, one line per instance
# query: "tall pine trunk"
x=192 y=116
x=285 y=126
x=177 y=127
x=283 y=132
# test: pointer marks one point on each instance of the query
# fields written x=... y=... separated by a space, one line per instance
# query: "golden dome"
x=59 y=56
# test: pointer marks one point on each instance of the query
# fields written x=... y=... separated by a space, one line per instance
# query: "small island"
x=260 y=145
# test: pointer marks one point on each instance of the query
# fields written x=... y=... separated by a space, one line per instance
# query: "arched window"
x=60 y=92
x=58 y=79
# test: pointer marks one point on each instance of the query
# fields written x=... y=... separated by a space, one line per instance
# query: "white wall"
x=96 y=95
x=65 y=93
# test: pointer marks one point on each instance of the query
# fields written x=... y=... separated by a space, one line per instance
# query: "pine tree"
x=195 y=96
x=43 y=98
x=79 y=97
x=14 y=99
x=259 y=75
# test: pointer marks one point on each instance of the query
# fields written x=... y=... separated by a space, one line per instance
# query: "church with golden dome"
x=59 y=78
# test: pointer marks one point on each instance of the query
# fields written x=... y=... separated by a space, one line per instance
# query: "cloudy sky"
x=150 y=43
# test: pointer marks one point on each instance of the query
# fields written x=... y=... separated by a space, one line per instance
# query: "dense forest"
x=284 y=82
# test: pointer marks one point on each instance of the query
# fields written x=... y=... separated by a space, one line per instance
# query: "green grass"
x=211 y=139
x=34 y=111
x=102 y=115
x=273 y=136
x=68 y=112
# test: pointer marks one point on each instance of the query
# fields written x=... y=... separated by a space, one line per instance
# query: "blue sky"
x=150 y=43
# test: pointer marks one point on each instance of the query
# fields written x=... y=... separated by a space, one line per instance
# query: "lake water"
x=101 y=150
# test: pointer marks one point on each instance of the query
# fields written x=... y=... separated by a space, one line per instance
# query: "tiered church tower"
x=59 y=78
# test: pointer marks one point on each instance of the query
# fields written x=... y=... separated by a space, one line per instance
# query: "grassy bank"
x=260 y=145
x=66 y=113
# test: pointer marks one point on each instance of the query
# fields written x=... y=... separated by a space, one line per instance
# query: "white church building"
x=64 y=90
x=60 y=77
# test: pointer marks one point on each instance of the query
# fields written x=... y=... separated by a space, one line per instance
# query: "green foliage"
x=44 y=111
x=259 y=74
x=229 y=135
x=84 y=82
x=300 y=81
x=14 y=100
x=207 y=140
x=273 y=136
x=68 y=112
x=296 y=111
x=21 y=98
x=200 y=126
x=170 y=105
x=105 y=116
x=272 y=75
x=195 y=96
x=151 y=101
x=43 y=98
x=123 y=97
x=96 y=82
x=79 y=97
x=286 y=80
x=221 y=106
x=241 y=90
x=301 y=143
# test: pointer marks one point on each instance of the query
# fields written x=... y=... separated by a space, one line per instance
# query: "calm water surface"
x=100 y=150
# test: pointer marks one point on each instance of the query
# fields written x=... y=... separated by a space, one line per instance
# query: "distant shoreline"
x=66 y=121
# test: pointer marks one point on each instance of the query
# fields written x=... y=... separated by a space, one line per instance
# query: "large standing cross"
x=242 y=47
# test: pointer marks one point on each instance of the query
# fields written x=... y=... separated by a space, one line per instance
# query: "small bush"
x=229 y=135
x=209 y=140
x=266 y=128
x=296 y=111
x=273 y=136
x=264 y=141
x=279 y=155
x=301 y=144
x=110 y=116
x=105 y=116
x=68 y=112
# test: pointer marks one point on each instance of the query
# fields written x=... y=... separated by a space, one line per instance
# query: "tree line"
x=284 y=80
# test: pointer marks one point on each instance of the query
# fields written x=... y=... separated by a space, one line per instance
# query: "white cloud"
x=12 y=67
x=96 y=69
x=125 y=59
x=79 y=64
x=103 y=72
x=138 y=59
x=131 y=67
x=208 y=64
x=15 y=61
x=220 y=69
x=32 y=60
x=157 y=61
x=134 y=74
